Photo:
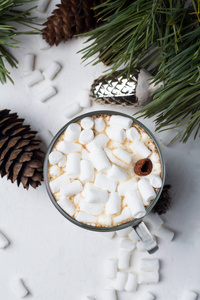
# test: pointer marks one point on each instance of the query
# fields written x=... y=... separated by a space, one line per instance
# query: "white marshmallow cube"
x=127 y=186
x=52 y=70
x=124 y=259
x=86 y=171
x=113 y=205
x=108 y=235
x=72 y=110
x=154 y=220
x=148 y=277
x=188 y=295
x=105 y=220
x=28 y=63
x=139 y=148
x=146 y=190
x=91 y=208
x=42 y=5
x=116 y=134
x=87 y=123
x=85 y=154
x=67 y=205
x=19 y=288
x=114 y=159
x=4 y=242
x=127 y=245
x=133 y=134
x=140 y=246
x=72 y=132
x=99 y=124
x=134 y=202
x=33 y=78
x=89 y=298
x=85 y=218
x=63 y=161
x=120 y=121
x=85 y=100
x=147 y=296
x=71 y=189
x=46 y=93
x=155 y=180
x=149 y=265
x=111 y=268
x=133 y=236
x=154 y=157
x=42 y=44
x=55 y=157
x=125 y=215
x=86 y=136
x=93 y=196
x=117 y=173
x=121 y=281
x=124 y=232
x=164 y=233
x=56 y=183
x=68 y=147
x=99 y=159
x=109 y=294
x=99 y=141
x=131 y=285
x=103 y=182
x=54 y=170
x=73 y=165
x=123 y=155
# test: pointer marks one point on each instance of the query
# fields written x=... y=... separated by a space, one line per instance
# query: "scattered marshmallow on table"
x=99 y=159
x=113 y=205
x=4 y=242
x=124 y=259
x=86 y=218
x=99 y=124
x=164 y=233
x=86 y=171
x=134 y=203
x=133 y=134
x=126 y=186
x=138 y=147
x=149 y=265
x=117 y=173
x=68 y=147
x=72 y=110
x=148 y=277
x=140 y=246
x=111 y=268
x=71 y=189
x=42 y=5
x=120 y=121
x=123 y=155
x=127 y=245
x=46 y=93
x=125 y=214
x=19 y=288
x=72 y=132
x=33 y=78
x=28 y=63
x=67 y=205
x=56 y=183
x=121 y=280
x=87 y=123
x=188 y=295
x=103 y=182
x=133 y=236
x=146 y=190
x=52 y=70
x=89 y=298
x=147 y=296
x=124 y=232
x=154 y=219
x=86 y=136
x=55 y=157
x=108 y=235
x=110 y=294
x=85 y=101
x=73 y=165
x=131 y=284
x=115 y=133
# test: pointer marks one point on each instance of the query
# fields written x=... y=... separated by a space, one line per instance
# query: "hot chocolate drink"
x=104 y=170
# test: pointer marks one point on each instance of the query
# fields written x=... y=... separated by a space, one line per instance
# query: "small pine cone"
x=164 y=201
x=20 y=156
x=72 y=17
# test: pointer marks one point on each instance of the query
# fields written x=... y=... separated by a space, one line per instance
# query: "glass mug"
x=138 y=225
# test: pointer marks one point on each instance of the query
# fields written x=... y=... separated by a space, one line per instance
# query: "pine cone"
x=72 y=17
x=20 y=156
x=164 y=201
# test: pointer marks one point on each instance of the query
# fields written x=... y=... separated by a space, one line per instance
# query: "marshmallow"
x=127 y=186
x=71 y=189
x=124 y=259
x=146 y=191
x=85 y=154
x=86 y=136
x=52 y=70
x=92 y=196
x=154 y=220
x=85 y=100
x=88 y=186
x=154 y=157
x=42 y=5
x=56 y=183
x=127 y=245
x=19 y=288
x=148 y=277
x=46 y=93
x=89 y=298
x=117 y=173
x=139 y=148
x=68 y=147
x=45 y=136
x=135 y=204
x=99 y=124
x=77 y=198
x=67 y=205
x=113 y=159
x=28 y=63
x=155 y=180
x=55 y=157
x=121 y=281
x=110 y=294
x=124 y=232
x=189 y=295
x=133 y=236
x=86 y=218
x=72 y=110
x=140 y=246
x=54 y=170
x=72 y=132
x=111 y=268
x=103 y=182
x=147 y=296
x=63 y=161
x=91 y=208
x=113 y=206
x=99 y=159
x=123 y=155
x=73 y=165
x=149 y=265
x=87 y=123
x=105 y=220
x=131 y=285
x=4 y=242
x=42 y=44
x=33 y=78
x=116 y=134
x=120 y=121
x=86 y=171
x=109 y=234
x=164 y=234
x=133 y=134
x=99 y=141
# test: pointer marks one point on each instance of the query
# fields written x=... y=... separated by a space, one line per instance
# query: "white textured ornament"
x=52 y=70
x=19 y=288
x=72 y=110
x=33 y=78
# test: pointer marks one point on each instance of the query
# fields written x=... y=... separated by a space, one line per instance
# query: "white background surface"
x=56 y=259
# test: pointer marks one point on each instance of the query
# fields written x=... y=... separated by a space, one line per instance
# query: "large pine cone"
x=72 y=17
x=20 y=156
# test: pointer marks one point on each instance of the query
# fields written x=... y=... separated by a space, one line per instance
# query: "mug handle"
x=145 y=236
